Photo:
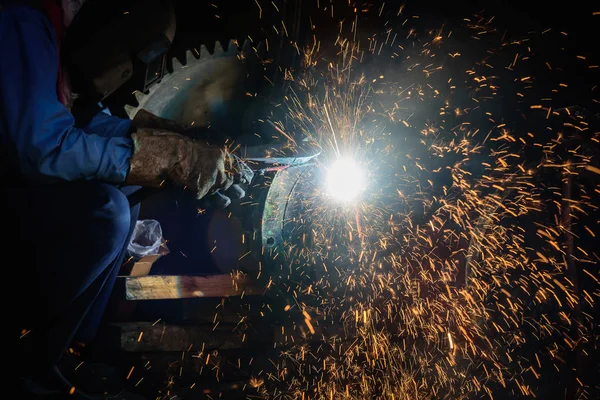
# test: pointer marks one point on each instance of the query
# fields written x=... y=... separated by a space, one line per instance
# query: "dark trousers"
x=70 y=240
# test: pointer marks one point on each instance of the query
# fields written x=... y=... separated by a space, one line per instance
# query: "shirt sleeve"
x=103 y=124
x=40 y=129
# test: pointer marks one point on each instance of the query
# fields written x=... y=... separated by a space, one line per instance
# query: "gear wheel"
x=200 y=86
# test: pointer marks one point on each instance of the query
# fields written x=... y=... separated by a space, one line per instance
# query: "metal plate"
x=283 y=207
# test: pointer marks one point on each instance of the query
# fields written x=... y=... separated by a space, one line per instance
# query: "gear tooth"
x=247 y=46
x=218 y=48
x=176 y=63
x=130 y=110
x=230 y=46
x=139 y=96
x=189 y=55
x=233 y=46
x=204 y=51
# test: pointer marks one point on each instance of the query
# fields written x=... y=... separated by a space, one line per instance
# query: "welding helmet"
x=110 y=43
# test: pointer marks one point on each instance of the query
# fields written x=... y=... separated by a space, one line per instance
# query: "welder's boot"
x=163 y=156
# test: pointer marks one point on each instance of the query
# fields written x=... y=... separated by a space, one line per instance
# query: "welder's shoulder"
x=23 y=17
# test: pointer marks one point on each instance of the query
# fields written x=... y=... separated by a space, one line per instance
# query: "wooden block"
x=142 y=267
x=125 y=309
x=150 y=337
x=162 y=287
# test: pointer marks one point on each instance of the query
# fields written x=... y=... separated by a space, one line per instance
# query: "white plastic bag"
x=146 y=238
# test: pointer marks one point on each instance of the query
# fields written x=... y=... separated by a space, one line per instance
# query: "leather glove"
x=146 y=119
x=242 y=174
x=164 y=156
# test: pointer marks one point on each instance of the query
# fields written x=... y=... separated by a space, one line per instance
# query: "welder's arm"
x=48 y=145
x=146 y=119
x=103 y=124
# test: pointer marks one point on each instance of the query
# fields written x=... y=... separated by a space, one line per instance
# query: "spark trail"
x=468 y=268
x=460 y=285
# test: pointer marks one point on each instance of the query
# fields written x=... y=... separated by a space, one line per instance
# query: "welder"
x=65 y=187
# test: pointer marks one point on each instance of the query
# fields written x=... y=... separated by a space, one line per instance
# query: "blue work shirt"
x=40 y=142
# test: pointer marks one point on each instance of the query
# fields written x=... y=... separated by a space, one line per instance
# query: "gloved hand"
x=242 y=174
x=164 y=156
x=239 y=170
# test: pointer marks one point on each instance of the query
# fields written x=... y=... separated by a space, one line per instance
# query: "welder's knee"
x=77 y=231
x=111 y=217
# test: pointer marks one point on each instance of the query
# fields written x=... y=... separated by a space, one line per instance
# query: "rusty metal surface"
x=281 y=225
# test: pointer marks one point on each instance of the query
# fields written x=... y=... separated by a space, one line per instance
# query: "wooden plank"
x=150 y=337
x=162 y=287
